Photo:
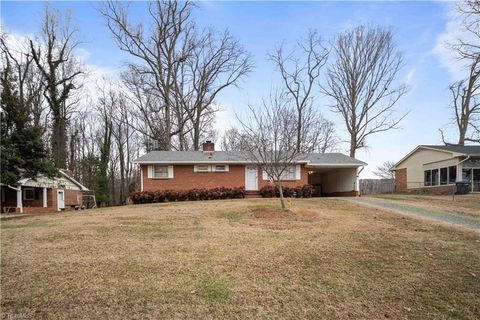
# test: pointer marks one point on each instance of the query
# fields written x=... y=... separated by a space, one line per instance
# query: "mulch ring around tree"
x=271 y=213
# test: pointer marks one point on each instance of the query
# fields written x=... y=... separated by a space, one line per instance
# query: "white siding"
x=415 y=165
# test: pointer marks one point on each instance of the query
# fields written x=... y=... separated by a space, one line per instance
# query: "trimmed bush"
x=192 y=195
x=305 y=191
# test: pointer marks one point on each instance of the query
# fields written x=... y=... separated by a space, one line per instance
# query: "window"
x=427 y=178
x=443 y=175
x=28 y=194
x=289 y=173
x=220 y=168
x=201 y=168
x=160 y=172
x=435 y=177
x=452 y=174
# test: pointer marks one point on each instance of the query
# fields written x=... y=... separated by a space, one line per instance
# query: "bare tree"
x=30 y=84
x=466 y=92
x=362 y=83
x=215 y=64
x=233 y=140
x=54 y=57
x=160 y=51
x=300 y=71
x=385 y=170
x=270 y=132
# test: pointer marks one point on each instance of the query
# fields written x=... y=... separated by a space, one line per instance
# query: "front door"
x=60 y=200
x=251 y=178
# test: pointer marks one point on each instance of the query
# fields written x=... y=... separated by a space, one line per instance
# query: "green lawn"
x=325 y=259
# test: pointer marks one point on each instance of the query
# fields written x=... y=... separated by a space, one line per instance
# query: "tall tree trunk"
x=353 y=145
x=58 y=143
x=299 y=130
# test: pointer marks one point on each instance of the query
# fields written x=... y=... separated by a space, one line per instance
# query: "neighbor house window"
x=435 y=177
x=160 y=171
x=220 y=168
x=427 y=178
x=443 y=175
x=201 y=168
x=29 y=194
x=452 y=174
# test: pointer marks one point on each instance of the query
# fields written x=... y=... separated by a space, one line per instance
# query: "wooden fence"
x=376 y=186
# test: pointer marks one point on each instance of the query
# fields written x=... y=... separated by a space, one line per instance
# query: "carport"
x=334 y=174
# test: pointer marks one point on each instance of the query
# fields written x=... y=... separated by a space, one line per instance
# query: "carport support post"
x=19 y=199
x=44 y=197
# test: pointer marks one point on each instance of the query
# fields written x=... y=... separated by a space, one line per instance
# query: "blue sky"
x=419 y=30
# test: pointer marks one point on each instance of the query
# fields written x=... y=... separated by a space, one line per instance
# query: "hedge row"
x=306 y=191
x=192 y=195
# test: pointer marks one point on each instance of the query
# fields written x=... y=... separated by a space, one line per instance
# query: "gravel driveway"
x=415 y=211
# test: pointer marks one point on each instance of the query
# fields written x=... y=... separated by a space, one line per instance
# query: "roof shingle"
x=240 y=157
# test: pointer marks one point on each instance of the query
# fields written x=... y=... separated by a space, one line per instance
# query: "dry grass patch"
x=325 y=259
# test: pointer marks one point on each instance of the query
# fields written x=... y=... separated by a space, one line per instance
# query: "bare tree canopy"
x=385 y=170
x=54 y=58
x=178 y=73
x=270 y=137
x=466 y=92
x=159 y=49
x=30 y=84
x=300 y=71
x=361 y=81
x=233 y=140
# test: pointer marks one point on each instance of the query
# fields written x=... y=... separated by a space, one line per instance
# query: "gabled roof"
x=454 y=150
x=192 y=157
x=32 y=183
x=466 y=150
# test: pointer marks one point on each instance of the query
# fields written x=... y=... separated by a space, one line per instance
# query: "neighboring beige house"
x=436 y=169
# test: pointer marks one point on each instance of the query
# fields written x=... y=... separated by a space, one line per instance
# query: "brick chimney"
x=208 y=146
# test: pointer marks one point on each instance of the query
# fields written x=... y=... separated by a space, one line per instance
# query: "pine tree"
x=22 y=150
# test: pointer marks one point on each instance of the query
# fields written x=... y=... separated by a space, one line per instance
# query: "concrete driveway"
x=421 y=212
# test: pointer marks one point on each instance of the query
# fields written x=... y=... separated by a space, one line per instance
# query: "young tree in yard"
x=54 y=58
x=361 y=81
x=270 y=133
x=385 y=170
x=22 y=150
x=300 y=72
x=466 y=92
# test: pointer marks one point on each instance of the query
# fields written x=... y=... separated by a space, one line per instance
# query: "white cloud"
x=454 y=30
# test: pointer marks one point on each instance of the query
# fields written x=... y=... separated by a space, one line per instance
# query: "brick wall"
x=401 y=180
x=184 y=179
x=36 y=206
x=73 y=197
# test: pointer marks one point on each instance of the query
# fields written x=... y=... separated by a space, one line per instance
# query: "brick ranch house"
x=436 y=169
x=43 y=194
x=332 y=174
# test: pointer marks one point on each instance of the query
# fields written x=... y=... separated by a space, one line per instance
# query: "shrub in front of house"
x=191 y=195
x=306 y=191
